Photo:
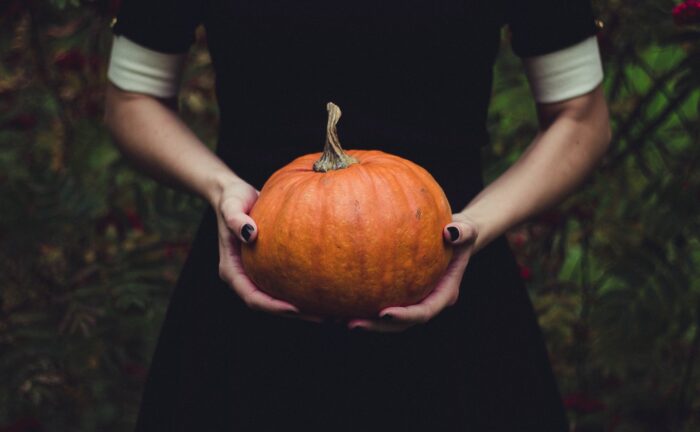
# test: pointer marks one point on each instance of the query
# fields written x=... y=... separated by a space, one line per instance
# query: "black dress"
x=413 y=78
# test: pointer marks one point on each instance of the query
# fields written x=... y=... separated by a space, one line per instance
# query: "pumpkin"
x=346 y=234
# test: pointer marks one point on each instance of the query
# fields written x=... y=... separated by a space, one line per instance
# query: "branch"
x=44 y=74
x=642 y=136
x=633 y=117
x=688 y=374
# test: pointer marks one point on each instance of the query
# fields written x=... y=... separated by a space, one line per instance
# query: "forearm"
x=155 y=138
x=573 y=139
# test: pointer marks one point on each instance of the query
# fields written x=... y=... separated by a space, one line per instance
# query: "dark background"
x=90 y=249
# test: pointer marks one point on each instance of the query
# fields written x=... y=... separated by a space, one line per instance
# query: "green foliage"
x=90 y=249
x=615 y=268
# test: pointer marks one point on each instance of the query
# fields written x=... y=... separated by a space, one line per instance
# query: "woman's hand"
x=235 y=226
x=462 y=234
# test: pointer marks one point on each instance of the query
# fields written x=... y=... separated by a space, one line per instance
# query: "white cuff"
x=135 y=68
x=566 y=73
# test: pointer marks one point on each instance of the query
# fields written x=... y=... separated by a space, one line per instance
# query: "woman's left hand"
x=461 y=233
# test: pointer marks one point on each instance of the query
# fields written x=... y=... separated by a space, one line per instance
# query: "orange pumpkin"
x=348 y=234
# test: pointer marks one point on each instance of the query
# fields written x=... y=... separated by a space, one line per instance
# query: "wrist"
x=486 y=227
x=218 y=183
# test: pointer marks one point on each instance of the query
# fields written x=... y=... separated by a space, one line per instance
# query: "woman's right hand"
x=235 y=227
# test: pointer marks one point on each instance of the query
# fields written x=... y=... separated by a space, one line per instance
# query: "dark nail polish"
x=246 y=230
x=387 y=317
x=454 y=233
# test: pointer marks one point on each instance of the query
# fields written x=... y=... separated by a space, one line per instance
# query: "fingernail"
x=291 y=312
x=246 y=230
x=454 y=233
x=387 y=317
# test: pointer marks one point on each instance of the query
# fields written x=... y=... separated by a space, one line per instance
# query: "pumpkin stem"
x=333 y=157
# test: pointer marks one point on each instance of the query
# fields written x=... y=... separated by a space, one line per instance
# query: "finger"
x=259 y=300
x=380 y=325
x=231 y=272
x=445 y=294
x=419 y=313
x=250 y=293
x=253 y=297
x=459 y=233
x=306 y=317
x=310 y=318
x=239 y=222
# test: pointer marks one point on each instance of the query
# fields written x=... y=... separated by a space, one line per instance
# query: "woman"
x=413 y=78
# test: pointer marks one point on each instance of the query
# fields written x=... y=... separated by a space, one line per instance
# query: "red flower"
x=109 y=220
x=517 y=239
x=582 y=403
x=134 y=219
x=121 y=222
x=172 y=249
x=70 y=60
x=135 y=371
x=25 y=424
x=687 y=12
x=551 y=218
x=525 y=273
x=23 y=121
x=95 y=62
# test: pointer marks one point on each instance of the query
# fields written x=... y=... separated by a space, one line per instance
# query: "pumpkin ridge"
x=381 y=189
x=362 y=248
x=419 y=243
x=288 y=211
x=401 y=247
x=369 y=177
x=425 y=181
x=354 y=249
x=323 y=230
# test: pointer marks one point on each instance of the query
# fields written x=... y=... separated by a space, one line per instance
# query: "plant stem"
x=44 y=75
x=687 y=376
x=333 y=157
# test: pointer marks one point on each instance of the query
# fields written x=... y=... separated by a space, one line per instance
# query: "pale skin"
x=573 y=137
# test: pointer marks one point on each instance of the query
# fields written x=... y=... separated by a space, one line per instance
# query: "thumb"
x=242 y=225
x=459 y=232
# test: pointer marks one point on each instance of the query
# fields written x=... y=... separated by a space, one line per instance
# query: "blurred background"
x=90 y=248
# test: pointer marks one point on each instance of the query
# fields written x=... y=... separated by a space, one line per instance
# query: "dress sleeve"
x=151 y=40
x=544 y=26
x=166 y=26
x=556 y=41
